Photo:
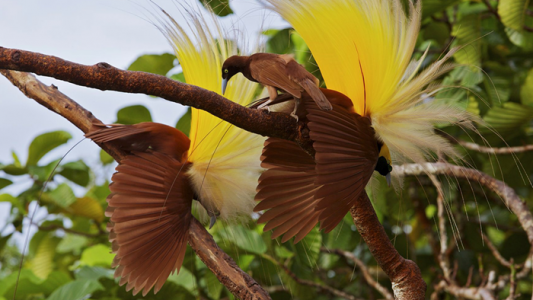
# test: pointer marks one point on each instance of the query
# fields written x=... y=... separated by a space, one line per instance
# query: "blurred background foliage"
x=68 y=256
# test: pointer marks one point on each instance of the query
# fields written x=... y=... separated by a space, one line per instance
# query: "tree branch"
x=103 y=76
x=406 y=278
x=508 y=195
x=236 y=281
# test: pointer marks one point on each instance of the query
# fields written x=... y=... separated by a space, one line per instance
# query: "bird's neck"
x=243 y=65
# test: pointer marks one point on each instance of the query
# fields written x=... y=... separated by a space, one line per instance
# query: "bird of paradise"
x=154 y=187
x=363 y=49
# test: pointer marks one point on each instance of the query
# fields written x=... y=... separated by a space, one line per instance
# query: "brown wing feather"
x=150 y=213
x=143 y=136
x=346 y=155
x=286 y=189
x=308 y=82
x=269 y=69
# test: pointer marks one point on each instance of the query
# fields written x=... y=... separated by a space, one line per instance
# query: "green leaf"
x=526 y=92
x=87 y=207
x=185 y=279
x=93 y=273
x=42 y=263
x=45 y=143
x=522 y=38
x=105 y=158
x=97 y=255
x=14 y=170
x=133 y=114
x=76 y=290
x=28 y=284
x=507 y=118
x=72 y=243
x=178 y=77
x=283 y=252
x=246 y=239
x=184 y=123
x=62 y=195
x=14 y=201
x=153 y=63
x=76 y=171
x=301 y=50
x=308 y=249
x=431 y=7
x=512 y=13
x=467 y=31
x=4 y=182
x=220 y=7
x=213 y=286
x=279 y=41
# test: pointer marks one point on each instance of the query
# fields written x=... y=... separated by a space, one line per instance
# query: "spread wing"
x=270 y=70
x=286 y=190
x=346 y=155
x=143 y=136
x=150 y=212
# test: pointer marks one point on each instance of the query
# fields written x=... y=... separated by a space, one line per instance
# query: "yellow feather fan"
x=225 y=158
x=363 y=49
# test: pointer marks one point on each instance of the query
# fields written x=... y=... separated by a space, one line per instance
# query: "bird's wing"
x=141 y=137
x=346 y=155
x=150 y=212
x=270 y=70
x=286 y=190
x=308 y=82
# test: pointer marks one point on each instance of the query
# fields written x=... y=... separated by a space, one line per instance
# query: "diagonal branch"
x=222 y=265
x=104 y=77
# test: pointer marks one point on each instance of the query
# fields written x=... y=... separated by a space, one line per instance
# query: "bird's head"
x=231 y=66
x=383 y=165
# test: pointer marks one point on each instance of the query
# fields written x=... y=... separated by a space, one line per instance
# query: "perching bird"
x=299 y=191
x=363 y=49
x=155 y=184
x=275 y=72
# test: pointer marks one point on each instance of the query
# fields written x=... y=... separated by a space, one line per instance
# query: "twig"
x=56 y=227
x=496 y=253
x=364 y=270
x=320 y=287
x=236 y=281
x=465 y=292
x=490 y=150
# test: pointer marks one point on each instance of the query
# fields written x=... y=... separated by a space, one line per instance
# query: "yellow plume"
x=363 y=49
x=225 y=158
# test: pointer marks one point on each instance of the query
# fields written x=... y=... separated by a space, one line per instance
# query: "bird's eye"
x=226 y=71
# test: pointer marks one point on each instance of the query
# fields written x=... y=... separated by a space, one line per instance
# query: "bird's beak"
x=212 y=221
x=389 y=179
x=224 y=84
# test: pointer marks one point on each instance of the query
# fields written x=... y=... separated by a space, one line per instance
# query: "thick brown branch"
x=404 y=274
x=236 y=281
x=222 y=265
x=103 y=76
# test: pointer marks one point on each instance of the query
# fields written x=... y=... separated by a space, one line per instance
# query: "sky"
x=89 y=32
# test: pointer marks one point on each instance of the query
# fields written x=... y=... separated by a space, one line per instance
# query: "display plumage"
x=164 y=170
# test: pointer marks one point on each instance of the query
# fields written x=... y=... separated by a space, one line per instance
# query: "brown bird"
x=298 y=191
x=275 y=72
x=150 y=202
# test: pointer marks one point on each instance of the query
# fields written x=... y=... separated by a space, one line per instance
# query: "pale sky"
x=89 y=32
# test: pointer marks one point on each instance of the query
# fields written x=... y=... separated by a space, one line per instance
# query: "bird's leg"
x=272 y=93
x=298 y=108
